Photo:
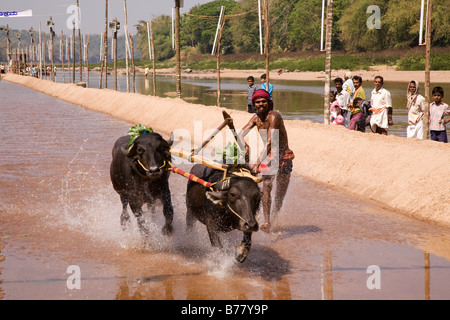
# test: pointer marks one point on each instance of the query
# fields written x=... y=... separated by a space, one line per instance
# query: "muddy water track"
x=58 y=209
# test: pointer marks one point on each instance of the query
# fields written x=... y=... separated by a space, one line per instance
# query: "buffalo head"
x=242 y=197
x=150 y=154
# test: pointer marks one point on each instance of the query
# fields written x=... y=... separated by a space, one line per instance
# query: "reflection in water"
x=426 y=267
x=2 y=257
x=327 y=277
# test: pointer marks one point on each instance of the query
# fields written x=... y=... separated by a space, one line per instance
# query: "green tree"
x=304 y=25
x=202 y=25
x=162 y=34
x=245 y=28
x=355 y=34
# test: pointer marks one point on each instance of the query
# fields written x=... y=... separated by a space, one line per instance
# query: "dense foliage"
x=295 y=25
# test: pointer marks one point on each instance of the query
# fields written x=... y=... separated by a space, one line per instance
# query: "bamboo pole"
x=427 y=71
x=115 y=53
x=87 y=62
x=218 y=54
x=68 y=55
x=266 y=41
x=79 y=41
x=73 y=52
x=329 y=28
x=52 y=73
x=153 y=57
x=105 y=44
x=43 y=55
x=132 y=64
x=125 y=28
x=177 y=47
x=40 y=53
x=61 y=55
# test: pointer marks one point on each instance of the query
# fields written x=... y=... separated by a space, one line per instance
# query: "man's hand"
x=255 y=168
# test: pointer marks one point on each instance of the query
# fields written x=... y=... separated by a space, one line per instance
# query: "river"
x=301 y=100
x=59 y=217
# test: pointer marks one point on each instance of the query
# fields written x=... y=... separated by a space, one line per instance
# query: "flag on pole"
x=16 y=14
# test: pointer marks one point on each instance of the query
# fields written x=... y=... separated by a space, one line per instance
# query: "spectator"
x=438 y=110
x=415 y=103
x=264 y=85
x=381 y=103
x=343 y=98
x=348 y=84
x=335 y=111
x=250 y=91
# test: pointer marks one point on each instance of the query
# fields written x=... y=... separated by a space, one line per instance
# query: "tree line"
x=295 y=25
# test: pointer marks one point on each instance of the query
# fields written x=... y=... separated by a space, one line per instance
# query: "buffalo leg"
x=137 y=211
x=124 y=217
x=214 y=237
x=168 y=212
x=190 y=219
x=244 y=247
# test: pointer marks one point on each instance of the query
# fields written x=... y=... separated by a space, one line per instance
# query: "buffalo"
x=232 y=205
x=140 y=176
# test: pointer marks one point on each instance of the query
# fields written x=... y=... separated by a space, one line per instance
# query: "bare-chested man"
x=267 y=119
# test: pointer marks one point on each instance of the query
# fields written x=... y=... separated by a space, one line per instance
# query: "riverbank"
x=403 y=174
x=389 y=73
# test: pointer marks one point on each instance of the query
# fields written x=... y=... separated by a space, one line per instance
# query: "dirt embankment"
x=407 y=175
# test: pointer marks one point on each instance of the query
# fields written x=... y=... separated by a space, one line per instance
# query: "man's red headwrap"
x=261 y=93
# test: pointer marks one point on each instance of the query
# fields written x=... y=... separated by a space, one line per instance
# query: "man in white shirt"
x=381 y=109
x=343 y=98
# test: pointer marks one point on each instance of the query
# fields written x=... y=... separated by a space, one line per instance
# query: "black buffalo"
x=232 y=205
x=139 y=176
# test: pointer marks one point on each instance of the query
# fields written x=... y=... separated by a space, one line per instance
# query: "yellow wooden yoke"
x=212 y=164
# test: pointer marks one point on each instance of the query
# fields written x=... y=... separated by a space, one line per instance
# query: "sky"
x=92 y=13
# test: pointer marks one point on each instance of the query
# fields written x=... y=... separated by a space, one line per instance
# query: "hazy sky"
x=92 y=13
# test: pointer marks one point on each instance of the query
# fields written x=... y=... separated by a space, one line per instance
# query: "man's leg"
x=382 y=131
x=283 y=178
x=267 y=202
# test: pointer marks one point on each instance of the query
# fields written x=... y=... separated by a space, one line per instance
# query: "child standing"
x=438 y=110
x=264 y=85
x=250 y=91
x=335 y=111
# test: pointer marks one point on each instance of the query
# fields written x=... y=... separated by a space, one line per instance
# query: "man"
x=381 y=109
x=270 y=121
x=348 y=84
x=343 y=98
x=359 y=91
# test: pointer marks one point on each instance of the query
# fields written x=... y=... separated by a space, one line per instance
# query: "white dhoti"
x=380 y=118
x=415 y=130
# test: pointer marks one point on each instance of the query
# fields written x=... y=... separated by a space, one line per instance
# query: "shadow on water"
x=266 y=263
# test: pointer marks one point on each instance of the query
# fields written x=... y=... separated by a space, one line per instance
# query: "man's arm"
x=274 y=121
x=244 y=131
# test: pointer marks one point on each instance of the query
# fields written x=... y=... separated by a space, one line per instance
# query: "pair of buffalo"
x=140 y=175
